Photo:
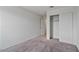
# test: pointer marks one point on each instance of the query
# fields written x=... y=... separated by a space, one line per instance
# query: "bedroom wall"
x=56 y=11
x=0 y=29
x=75 y=21
x=43 y=25
x=17 y=25
x=66 y=27
x=77 y=26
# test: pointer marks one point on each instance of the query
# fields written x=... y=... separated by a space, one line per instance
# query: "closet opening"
x=54 y=27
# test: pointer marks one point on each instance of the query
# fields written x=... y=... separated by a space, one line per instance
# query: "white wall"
x=56 y=11
x=0 y=29
x=18 y=25
x=43 y=25
x=75 y=21
x=66 y=27
x=77 y=40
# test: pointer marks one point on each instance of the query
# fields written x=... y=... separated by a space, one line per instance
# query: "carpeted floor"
x=41 y=44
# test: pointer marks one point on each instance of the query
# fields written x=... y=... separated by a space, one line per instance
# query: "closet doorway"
x=54 y=27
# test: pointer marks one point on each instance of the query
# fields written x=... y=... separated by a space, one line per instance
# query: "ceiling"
x=40 y=10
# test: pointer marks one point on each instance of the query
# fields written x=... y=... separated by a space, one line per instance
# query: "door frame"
x=48 y=25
